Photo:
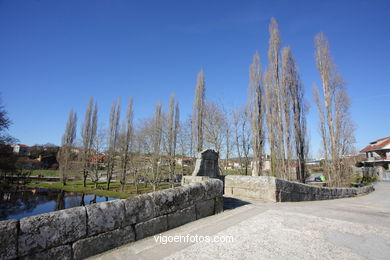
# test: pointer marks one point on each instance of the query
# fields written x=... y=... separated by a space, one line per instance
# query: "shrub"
x=359 y=164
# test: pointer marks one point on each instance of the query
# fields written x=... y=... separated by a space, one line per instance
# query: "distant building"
x=378 y=153
x=20 y=149
x=230 y=165
x=236 y=163
x=266 y=165
x=313 y=162
x=184 y=161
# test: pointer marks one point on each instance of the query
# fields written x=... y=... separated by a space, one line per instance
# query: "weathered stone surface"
x=196 y=192
x=139 y=209
x=272 y=189
x=213 y=188
x=249 y=182
x=259 y=187
x=105 y=216
x=193 y=179
x=8 y=239
x=240 y=192
x=218 y=207
x=204 y=208
x=151 y=227
x=365 y=189
x=60 y=252
x=207 y=164
x=181 y=217
x=294 y=191
x=228 y=191
x=105 y=241
x=170 y=200
x=37 y=233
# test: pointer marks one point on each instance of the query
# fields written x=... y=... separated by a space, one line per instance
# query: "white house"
x=20 y=148
x=378 y=153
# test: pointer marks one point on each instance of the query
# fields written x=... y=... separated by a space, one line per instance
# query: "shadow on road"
x=232 y=203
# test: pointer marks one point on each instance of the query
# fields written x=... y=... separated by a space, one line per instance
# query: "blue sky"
x=55 y=54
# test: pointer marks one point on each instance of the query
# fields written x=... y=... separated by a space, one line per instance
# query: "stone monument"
x=207 y=164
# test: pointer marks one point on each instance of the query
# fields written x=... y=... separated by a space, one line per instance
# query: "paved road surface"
x=353 y=228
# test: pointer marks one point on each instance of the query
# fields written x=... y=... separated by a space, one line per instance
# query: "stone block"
x=196 y=192
x=218 y=207
x=213 y=188
x=204 y=208
x=284 y=196
x=105 y=241
x=139 y=209
x=193 y=179
x=105 y=216
x=207 y=164
x=151 y=227
x=250 y=182
x=240 y=192
x=229 y=191
x=60 y=252
x=170 y=200
x=40 y=232
x=8 y=239
x=181 y=217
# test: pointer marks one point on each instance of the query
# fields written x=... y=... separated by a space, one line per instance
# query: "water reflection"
x=20 y=202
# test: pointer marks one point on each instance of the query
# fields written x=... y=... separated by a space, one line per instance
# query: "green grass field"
x=46 y=173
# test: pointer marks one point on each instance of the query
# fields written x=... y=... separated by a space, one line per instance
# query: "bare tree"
x=68 y=139
x=112 y=140
x=88 y=134
x=185 y=141
x=322 y=128
x=175 y=137
x=173 y=128
x=246 y=139
x=5 y=122
x=295 y=96
x=334 y=110
x=237 y=122
x=214 y=125
x=242 y=134
x=270 y=114
x=274 y=103
x=255 y=103
x=228 y=134
x=156 y=145
x=287 y=115
x=142 y=164
x=345 y=129
x=126 y=143
x=198 y=112
x=98 y=147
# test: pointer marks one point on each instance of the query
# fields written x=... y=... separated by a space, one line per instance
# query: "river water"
x=20 y=202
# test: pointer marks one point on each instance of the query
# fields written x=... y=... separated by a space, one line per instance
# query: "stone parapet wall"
x=262 y=187
x=80 y=232
x=295 y=191
x=271 y=189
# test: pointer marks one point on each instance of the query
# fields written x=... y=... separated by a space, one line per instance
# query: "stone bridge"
x=349 y=228
x=82 y=232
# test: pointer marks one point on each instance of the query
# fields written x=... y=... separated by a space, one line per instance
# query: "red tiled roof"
x=23 y=145
x=376 y=145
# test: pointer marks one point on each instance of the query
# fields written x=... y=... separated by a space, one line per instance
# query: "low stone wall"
x=80 y=232
x=268 y=188
x=295 y=191
x=262 y=187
